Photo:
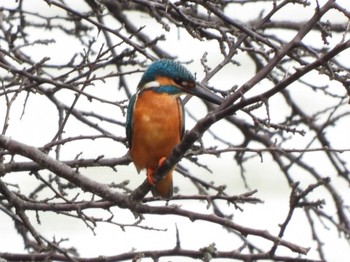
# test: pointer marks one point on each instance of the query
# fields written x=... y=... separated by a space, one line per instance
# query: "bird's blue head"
x=168 y=76
x=167 y=72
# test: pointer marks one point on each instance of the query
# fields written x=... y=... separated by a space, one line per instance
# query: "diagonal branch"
x=228 y=107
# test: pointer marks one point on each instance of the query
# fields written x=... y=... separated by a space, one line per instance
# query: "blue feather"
x=167 y=68
x=171 y=90
x=129 y=115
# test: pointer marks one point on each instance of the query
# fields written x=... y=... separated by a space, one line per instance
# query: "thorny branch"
x=82 y=95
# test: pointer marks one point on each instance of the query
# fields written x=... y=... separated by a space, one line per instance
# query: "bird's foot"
x=150 y=172
x=161 y=161
x=149 y=175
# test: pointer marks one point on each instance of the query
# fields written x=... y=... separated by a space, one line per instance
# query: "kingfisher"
x=155 y=118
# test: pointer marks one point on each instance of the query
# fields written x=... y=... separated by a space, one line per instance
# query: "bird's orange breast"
x=156 y=124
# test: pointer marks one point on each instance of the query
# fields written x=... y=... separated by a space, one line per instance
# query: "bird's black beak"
x=205 y=94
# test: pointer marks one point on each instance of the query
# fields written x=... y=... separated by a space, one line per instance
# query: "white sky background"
x=264 y=176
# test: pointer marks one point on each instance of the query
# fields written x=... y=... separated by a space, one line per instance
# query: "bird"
x=155 y=118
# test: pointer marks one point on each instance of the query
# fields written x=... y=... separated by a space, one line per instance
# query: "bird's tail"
x=164 y=188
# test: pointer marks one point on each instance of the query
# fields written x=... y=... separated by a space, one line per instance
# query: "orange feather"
x=157 y=124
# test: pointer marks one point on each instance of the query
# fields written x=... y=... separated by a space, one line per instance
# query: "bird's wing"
x=129 y=120
x=182 y=111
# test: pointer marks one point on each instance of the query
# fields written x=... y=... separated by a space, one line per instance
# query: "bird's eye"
x=184 y=83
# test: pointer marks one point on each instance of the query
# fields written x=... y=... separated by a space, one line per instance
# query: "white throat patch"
x=151 y=84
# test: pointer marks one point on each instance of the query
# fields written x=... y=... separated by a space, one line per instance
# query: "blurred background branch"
x=68 y=69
